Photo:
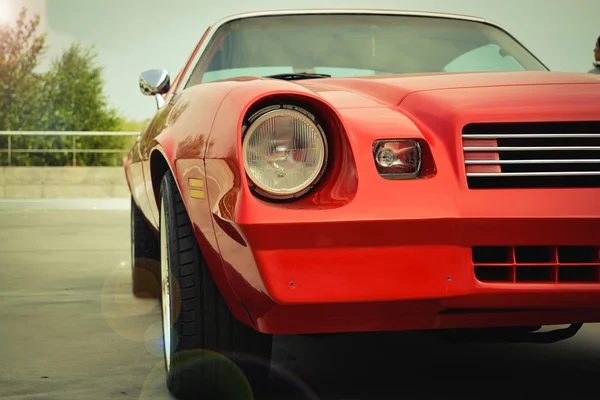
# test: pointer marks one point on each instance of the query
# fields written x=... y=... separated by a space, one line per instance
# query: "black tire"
x=213 y=355
x=145 y=257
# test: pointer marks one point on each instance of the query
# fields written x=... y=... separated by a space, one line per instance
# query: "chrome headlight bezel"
x=256 y=120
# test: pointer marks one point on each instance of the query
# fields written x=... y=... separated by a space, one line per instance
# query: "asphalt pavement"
x=70 y=329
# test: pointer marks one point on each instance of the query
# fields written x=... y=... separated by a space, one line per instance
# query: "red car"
x=330 y=171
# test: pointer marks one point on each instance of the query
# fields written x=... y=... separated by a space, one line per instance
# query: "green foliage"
x=133 y=126
x=69 y=97
x=20 y=53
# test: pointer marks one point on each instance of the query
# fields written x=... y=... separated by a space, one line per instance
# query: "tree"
x=133 y=126
x=75 y=93
x=20 y=52
x=69 y=97
x=77 y=102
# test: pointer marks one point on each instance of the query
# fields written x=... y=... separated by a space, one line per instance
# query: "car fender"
x=164 y=146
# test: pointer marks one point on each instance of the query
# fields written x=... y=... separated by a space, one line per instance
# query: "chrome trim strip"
x=531 y=136
x=499 y=162
x=185 y=79
x=507 y=174
x=537 y=148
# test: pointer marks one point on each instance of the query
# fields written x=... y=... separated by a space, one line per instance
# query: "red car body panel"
x=360 y=252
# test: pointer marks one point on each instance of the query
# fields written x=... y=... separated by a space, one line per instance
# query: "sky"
x=131 y=36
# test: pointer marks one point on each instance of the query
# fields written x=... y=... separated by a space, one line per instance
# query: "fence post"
x=9 y=151
x=74 y=151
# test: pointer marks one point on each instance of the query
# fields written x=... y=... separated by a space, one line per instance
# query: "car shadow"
x=418 y=365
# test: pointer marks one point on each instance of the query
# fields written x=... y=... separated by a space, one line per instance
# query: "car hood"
x=391 y=91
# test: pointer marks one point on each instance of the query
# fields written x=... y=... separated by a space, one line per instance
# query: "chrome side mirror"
x=155 y=82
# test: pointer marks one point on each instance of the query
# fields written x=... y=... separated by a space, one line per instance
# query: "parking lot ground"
x=70 y=329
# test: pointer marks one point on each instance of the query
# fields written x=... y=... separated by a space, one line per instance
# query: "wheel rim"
x=166 y=299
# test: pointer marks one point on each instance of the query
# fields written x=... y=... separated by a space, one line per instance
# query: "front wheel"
x=208 y=353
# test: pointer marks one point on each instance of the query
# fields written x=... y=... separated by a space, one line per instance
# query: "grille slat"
x=534 y=148
x=531 y=136
x=537 y=264
x=558 y=173
x=532 y=155
x=565 y=161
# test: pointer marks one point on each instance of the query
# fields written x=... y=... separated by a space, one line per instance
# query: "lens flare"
x=7 y=12
x=125 y=314
x=234 y=385
x=139 y=320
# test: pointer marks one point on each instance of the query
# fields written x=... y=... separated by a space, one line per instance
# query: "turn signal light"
x=397 y=159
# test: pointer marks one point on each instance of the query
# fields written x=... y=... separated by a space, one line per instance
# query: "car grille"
x=532 y=155
x=537 y=264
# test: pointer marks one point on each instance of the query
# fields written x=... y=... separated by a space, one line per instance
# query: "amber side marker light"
x=196 y=188
x=397 y=159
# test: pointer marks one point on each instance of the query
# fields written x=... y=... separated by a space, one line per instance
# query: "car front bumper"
x=357 y=268
x=341 y=262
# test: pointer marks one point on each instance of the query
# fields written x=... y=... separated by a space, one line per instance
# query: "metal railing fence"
x=72 y=148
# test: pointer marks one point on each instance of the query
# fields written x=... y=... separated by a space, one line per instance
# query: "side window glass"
x=197 y=73
x=180 y=79
x=204 y=66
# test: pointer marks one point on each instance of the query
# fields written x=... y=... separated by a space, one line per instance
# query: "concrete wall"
x=62 y=182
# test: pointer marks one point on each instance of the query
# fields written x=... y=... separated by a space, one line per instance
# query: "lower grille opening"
x=582 y=274
x=493 y=274
x=537 y=273
x=578 y=254
x=491 y=254
x=533 y=254
x=537 y=264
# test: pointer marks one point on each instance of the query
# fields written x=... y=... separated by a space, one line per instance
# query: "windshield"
x=358 y=45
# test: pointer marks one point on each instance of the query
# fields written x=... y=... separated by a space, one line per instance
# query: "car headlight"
x=285 y=152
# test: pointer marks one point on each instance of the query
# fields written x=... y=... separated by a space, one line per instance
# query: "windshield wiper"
x=297 y=75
